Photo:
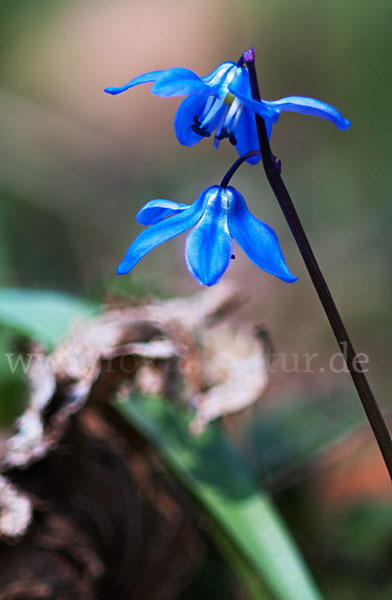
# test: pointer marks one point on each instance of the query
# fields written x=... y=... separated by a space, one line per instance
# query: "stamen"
x=234 y=110
x=223 y=133
x=209 y=103
x=212 y=112
x=237 y=117
x=235 y=106
x=202 y=131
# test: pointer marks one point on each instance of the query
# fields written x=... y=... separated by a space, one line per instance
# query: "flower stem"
x=236 y=165
x=272 y=171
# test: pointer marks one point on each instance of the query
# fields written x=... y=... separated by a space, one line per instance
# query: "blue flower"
x=222 y=102
x=217 y=216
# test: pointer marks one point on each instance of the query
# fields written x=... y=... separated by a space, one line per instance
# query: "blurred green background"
x=76 y=165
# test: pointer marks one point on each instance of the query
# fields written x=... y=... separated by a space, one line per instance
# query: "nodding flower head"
x=222 y=103
x=218 y=216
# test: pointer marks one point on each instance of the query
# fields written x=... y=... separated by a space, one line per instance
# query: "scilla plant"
x=227 y=103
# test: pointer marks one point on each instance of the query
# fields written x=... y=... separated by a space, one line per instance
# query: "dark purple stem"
x=272 y=171
x=229 y=174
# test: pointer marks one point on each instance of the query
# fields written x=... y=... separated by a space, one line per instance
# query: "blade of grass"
x=213 y=473
x=242 y=570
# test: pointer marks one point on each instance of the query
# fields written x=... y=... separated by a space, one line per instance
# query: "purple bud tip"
x=249 y=55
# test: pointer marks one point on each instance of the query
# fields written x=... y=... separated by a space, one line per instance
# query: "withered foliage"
x=85 y=511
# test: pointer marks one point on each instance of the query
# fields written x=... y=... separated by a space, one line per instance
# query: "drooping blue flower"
x=222 y=102
x=218 y=216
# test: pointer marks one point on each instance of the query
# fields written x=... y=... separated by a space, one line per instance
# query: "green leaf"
x=242 y=569
x=43 y=316
x=212 y=471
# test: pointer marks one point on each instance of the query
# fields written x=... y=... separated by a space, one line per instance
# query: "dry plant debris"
x=183 y=349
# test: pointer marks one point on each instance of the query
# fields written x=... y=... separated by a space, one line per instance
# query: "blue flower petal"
x=257 y=240
x=180 y=82
x=209 y=245
x=157 y=210
x=241 y=90
x=240 y=82
x=194 y=105
x=217 y=77
x=146 y=78
x=310 y=106
x=162 y=232
x=246 y=135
